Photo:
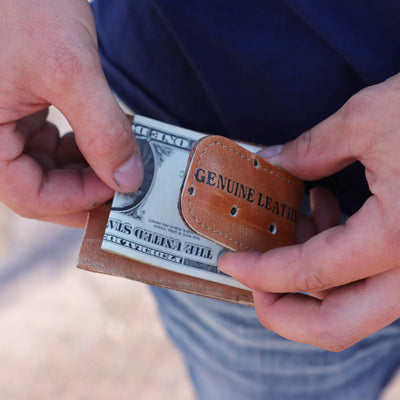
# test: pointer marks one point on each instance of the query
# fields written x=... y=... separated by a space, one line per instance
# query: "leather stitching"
x=246 y=158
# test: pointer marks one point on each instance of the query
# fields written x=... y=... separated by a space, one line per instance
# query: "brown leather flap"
x=236 y=199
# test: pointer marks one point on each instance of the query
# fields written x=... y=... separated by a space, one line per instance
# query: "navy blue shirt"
x=262 y=71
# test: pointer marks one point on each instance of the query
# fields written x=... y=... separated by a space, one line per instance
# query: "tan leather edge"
x=92 y=258
x=185 y=176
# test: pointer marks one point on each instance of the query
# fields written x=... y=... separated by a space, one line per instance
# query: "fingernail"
x=129 y=176
x=270 y=151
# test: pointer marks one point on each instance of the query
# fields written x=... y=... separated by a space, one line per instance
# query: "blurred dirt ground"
x=69 y=334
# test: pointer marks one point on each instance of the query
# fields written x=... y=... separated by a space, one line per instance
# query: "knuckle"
x=103 y=144
x=264 y=321
x=358 y=107
x=332 y=342
x=26 y=211
x=310 y=280
x=304 y=143
x=328 y=336
x=356 y=116
x=37 y=205
x=112 y=142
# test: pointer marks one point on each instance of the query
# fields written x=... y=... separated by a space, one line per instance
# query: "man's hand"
x=356 y=265
x=49 y=56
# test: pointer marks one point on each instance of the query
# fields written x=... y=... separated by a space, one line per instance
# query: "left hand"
x=359 y=262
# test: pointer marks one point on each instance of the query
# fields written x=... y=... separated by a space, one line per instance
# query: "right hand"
x=358 y=263
x=49 y=56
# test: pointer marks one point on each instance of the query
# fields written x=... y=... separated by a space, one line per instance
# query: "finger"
x=32 y=124
x=43 y=144
x=52 y=151
x=26 y=189
x=12 y=142
x=317 y=153
x=67 y=152
x=325 y=208
x=345 y=316
x=305 y=229
x=75 y=220
x=30 y=192
x=102 y=131
x=40 y=136
x=325 y=213
x=44 y=139
x=334 y=257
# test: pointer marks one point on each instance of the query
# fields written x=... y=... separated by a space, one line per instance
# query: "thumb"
x=103 y=133
x=317 y=153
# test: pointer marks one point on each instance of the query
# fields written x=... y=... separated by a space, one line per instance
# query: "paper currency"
x=146 y=225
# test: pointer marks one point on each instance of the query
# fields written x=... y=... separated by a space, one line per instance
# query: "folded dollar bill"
x=146 y=225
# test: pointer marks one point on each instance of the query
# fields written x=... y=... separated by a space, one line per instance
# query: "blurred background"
x=68 y=334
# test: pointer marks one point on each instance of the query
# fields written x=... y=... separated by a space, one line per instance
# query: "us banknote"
x=146 y=225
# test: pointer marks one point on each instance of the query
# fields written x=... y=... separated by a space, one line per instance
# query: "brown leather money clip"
x=229 y=195
x=235 y=198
